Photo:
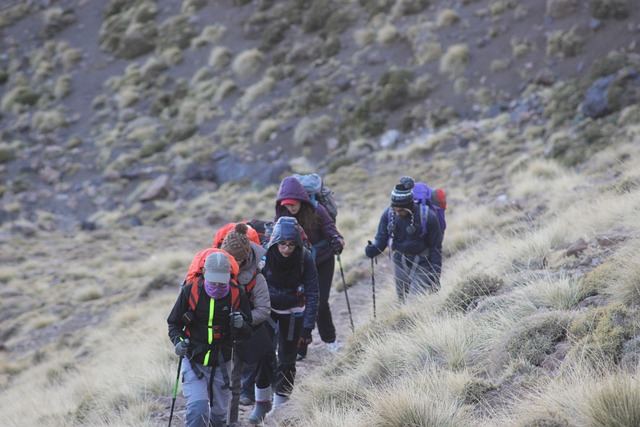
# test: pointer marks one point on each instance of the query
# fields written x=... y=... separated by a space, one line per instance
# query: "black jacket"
x=199 y=327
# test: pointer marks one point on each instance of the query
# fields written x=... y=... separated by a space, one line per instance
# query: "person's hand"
x=371 y=250
x=305 y=337
x=336 y=244
x=237 y=321
x=181 y=348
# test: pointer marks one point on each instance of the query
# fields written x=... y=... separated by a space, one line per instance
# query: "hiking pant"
x=196 y=392
x=286 y=338
x=413 y=275
x=249 y=379
x=326 y=329
x=324 y=319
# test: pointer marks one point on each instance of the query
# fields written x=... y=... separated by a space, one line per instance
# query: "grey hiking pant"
x=413 y=275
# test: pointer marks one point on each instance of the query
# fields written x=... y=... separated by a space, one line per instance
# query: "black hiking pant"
x=285 y=341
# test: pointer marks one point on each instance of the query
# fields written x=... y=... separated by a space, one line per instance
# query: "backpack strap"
x=424 y=216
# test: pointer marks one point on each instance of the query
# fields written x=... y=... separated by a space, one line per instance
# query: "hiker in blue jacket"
x=293 y=288
x=293 y=200
x=416 y=253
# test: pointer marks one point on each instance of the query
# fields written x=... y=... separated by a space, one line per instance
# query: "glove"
x=336 y=245
x=305 y=337
x=371 y=250
x=181 y=348
x=237 y=321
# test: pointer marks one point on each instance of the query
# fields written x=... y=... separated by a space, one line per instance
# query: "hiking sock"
x=262 y=406
x=279 y=399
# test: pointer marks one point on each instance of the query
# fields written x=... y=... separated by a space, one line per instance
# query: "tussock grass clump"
x=615 y=402
x=424 y=43
x=423 y=401
x=248 y=63
x=447 y=18
x=454 y=61
x=311 y=130
x=467 y=292
x=48 y=121
x=562 y=293
x=266 y=130
x=254 y=92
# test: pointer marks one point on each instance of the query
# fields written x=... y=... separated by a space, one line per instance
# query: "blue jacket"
x=286 y=297
x=394 y=227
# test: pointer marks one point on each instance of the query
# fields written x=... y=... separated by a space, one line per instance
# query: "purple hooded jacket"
x=319 y=236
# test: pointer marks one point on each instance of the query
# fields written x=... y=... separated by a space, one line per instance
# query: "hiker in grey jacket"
x=417 y=253
x=249 y=256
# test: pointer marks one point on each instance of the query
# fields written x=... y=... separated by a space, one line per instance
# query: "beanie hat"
x=237 y=243
x=401 y=196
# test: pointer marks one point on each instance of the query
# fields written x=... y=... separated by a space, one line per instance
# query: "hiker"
x=209 y=328
x=322 y=233
x=417 y=253
x=252 y=283
x=293 y=287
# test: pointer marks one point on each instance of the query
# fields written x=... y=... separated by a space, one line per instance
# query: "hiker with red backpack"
x=202 y=327
x=293 y=287
x=239 y=241
x=415 y=240
x=293 y=200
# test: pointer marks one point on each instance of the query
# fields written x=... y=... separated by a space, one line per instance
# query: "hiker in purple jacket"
x=416 y=252
x=325 y=239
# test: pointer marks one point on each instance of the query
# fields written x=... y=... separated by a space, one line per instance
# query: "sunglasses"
x=288 y=245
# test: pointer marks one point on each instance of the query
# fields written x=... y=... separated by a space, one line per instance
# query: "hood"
x=291 y=188
x=286 y=228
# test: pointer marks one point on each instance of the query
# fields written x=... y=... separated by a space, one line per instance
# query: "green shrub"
x=395 y=90
x=317 y=16
x=273 y=35
x=598 y=334
x=603 y=9
x=568 y=43
x=7 y=153
x=536 y=336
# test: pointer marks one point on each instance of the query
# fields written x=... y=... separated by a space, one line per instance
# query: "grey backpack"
x=319 y=192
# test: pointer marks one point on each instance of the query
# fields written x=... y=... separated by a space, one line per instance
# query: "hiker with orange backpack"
x=293 y=287
x=202 y=327
x=239 y=240
x=416 y=244
x=294 y=201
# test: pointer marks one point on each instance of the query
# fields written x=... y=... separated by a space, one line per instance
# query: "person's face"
x=293 y=209
x=402 y=211
x=286 y=247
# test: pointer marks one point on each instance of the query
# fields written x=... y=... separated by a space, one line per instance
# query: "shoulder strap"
x=424 y=216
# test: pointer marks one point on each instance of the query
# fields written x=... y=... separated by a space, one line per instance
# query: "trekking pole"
x=346 y=295
x=175 y=391
x=231 y=404
x=373 y=288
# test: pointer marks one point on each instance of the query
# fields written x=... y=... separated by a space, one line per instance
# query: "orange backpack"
x=195 y=277
x=225 y=229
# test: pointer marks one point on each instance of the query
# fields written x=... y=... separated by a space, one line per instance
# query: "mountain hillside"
x=130 y=130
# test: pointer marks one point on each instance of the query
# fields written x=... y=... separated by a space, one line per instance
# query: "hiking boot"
x=334 y=346
x=302 y=352
x=247 y=400
x=262 y=407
